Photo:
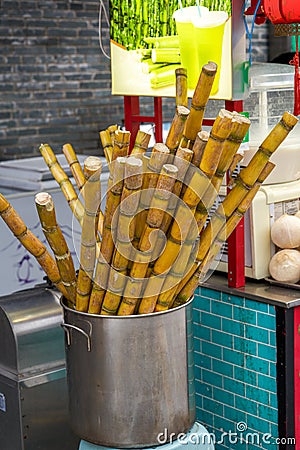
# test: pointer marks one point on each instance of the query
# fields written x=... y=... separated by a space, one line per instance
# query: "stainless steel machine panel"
x=33 y=388
x=30 y=333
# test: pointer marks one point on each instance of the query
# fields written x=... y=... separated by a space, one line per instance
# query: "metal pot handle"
x=67 y=326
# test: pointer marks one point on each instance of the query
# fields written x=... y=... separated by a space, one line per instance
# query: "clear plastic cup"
x=188 y=48
x=208 y=37
x=200 y=33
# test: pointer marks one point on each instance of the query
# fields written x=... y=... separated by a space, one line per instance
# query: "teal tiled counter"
x=244 y=344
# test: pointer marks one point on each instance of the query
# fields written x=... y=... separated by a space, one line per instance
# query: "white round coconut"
x=285 y=266
x=285 y=231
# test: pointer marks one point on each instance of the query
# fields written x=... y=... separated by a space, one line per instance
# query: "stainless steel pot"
x=130 y=378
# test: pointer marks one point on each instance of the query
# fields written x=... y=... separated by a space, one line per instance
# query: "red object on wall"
x=282 y=11
x=260 y=16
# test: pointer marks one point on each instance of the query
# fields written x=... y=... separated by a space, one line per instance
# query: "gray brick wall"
x=55 y=82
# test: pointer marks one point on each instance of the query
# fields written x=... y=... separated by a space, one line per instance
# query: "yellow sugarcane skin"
x=75 y=167
x=188 y=290
x=190 y=273
x=127 y=307
x=147 y=305
x=184 y=225
x=95 y=301
x=195 y=189
x=138 y=269
x=122 y=255
x=110 y=303
x=167 y=258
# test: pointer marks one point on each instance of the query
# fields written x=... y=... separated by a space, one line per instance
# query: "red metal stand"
x=133 y=118
x=236 y=242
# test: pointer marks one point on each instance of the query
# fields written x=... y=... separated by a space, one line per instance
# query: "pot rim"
x=131 y=316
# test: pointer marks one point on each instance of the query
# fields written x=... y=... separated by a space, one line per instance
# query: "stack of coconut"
x=285 y=234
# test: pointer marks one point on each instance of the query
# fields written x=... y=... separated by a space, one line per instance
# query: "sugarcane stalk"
x=153 y=165
x=199 y=101
x=181 y=89
x=234 y=163
x=62 y=179
x=107 y=244
x=141 y=143
x=224 y=233
x=53 y=234
x=181 y=161
x=32 y=244
x=106 y=144
x=120 y=144
x=268 y=146
x=92 y=198
x=128 y=207
x=79 y=176
x=176 y=129
x=244 y=183
x=199 y=146
x=155 y=214
x=74 y=164
x=239 y=129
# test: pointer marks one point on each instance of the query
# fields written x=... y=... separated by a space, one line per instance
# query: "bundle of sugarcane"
x=157 y=238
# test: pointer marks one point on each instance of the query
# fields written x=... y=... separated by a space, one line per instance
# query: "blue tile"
x=210 y=293
x=223 y=396
x=199 y=401
x=233 y=300
x=212 y=349
x=246 y=405
x=266 y=321
x=196 y=343
x=266 y=351
x=272 y=338
x=196 y=315
x=233 y=327
x=222 y=309
x=272 y=369
x=202 y=332
x=268 y=413
x=212 y=378
x=247 y=376
x=202 y=304
x=274 y=430
x=258 y=364
x=211 y=320
x=213 y=406
x=257 y=424
x=224 y=339
x=244 y=315
x=257 y=306
x=272 y=310
x=233 y=356
x=224 y=424
x=245 y=345
x=267 y=383
x=203 y=389
x=222 y=368
x=256 y=334
x=234 y=414
x=273 y=402
x=204 y=361
x=257 y=394
x=234 y=386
